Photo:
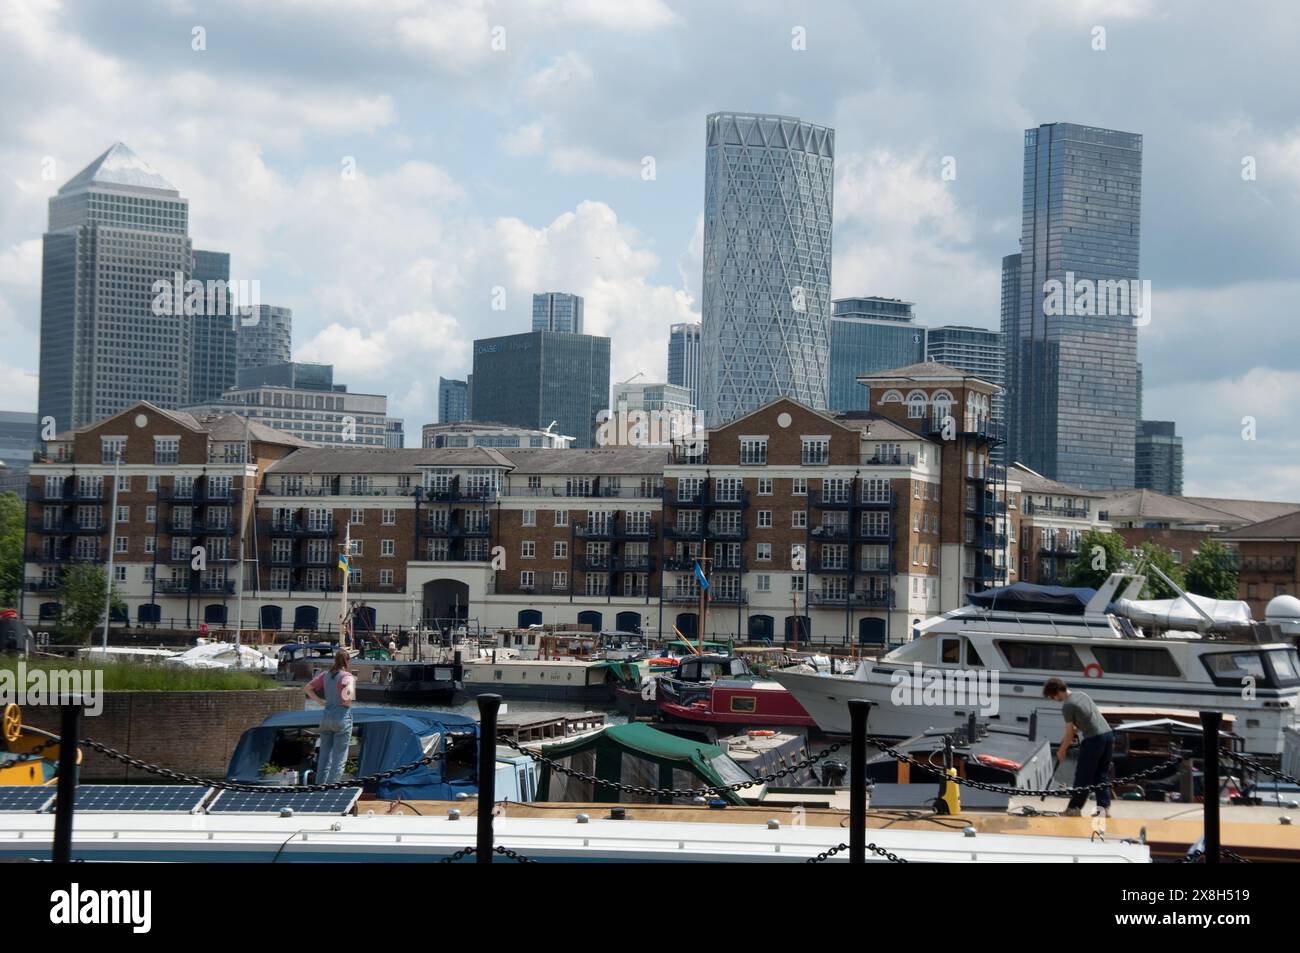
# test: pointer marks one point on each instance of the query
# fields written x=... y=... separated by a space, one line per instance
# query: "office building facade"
x=108 y=337
x=684 y=358
x=213 y=364
x=453 y=400
x=557 y=311
x=264 y=337
x=1159 y=458
x=767 y=263
x=469 y=433
x=976 y=351
x=542 y=380
x=869 y=335
x=1073 y=346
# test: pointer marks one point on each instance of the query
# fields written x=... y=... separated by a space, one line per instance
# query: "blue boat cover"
x=390 y=738
x=1027 y=597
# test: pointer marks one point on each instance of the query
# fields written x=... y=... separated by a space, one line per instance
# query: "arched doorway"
x=688 y=624
x=628 y=622
x=305 y=618
x=149 y=614
x=445 y=601
x=761 y=628
x=270 y=617
x=592 y=618
x=529 y=617
x=214 y=614
x=119 y=614
x=50 y=610
x=363 y=619
x=803 y=631
x=871 y=631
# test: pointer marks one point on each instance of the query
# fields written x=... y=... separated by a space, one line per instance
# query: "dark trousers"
x=1093 y=768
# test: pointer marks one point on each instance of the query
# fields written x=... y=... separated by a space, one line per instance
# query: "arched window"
x=916 y=402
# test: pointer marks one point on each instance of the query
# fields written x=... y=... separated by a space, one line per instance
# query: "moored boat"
x=722 y=690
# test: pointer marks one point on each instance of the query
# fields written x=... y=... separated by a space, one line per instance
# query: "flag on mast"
x=344 y=564
x=703 y=579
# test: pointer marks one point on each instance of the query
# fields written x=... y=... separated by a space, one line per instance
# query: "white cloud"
x=525 y=140
x=623 y=15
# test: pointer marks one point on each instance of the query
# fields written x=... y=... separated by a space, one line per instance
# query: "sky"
x=385 y=168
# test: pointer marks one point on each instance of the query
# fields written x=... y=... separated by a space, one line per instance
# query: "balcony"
x=1066 y=512
x=42 y=585
x=455 y=531
x=65 y=527
x=635 y=564
x=984 y=505
x=857 y=600
x=739 y=502
x=874 y=568
x=988 y=541
x=62 y=494
x=832 y=566
x=991 y=475
x=1057 y=551
x=456 y=495
x=686 y=533
x=190 y=587
x=713 y=531
x=732 y=598
x=1273 y=564
x=839 y=501
x=874 y=533
x=825 y=533
x=60 y=556
x=891 y=460
x=985 y=573
x=283 y=528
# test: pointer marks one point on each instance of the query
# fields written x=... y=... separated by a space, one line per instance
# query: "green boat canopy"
x=640 y=755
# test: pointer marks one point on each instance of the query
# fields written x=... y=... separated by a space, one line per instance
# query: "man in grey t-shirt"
x=1095 y=749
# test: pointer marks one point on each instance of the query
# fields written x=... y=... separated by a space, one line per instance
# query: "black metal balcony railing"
x=284 y=528
x=874 y=567
x=873 y=532
x=732 y=597
x=1070 y=512
x=183 y=586
x=456 y=531
x=984 y=573
x=1267 y=564
x=43 y=585
x=65 y=527
x=827 y=532
x=988 y=541
x=682 y=532
x=891 y=460
x=985 y=505
x=833 y=566
x=1059 y=551
x=63 y=556
x=863 y=600
x=822 y=501
x=714 y=531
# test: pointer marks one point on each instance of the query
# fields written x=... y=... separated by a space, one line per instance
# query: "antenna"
x=550 y=426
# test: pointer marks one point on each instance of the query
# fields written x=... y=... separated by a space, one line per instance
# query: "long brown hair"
x=341 y=659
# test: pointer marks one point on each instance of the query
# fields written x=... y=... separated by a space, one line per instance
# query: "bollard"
x=487 y=774
x=858 y=711
x=67 y=792
x=1210 y=721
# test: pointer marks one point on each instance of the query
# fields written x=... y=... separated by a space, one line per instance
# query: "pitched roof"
x=1031 y=481
x=118 y=165
x=603 y=460
x=926 y=370
x=1148 y=504
x=1253 y=511
x=385 y=460
x=1278 y=528
x=878 y=427
x=189 y=421
x=230 y=427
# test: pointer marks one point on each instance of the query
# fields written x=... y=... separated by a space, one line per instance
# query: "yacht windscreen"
x=1285 y=664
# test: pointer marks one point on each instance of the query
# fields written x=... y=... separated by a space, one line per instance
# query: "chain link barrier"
x=1198 y=856
x=1257 y=766
x=503 y=851
x=827 y=854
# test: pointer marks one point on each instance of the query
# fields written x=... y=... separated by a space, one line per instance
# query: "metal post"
x=67 y=789
x=858 y=711
x=487 y=766
x=1210 y=721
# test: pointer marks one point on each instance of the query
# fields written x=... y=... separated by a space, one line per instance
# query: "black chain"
x=1198 y=856
x=1256 y=766
x=672 y=792
x=503 y=851
x=827 y=854
x=1024 y=792
x=181 y=778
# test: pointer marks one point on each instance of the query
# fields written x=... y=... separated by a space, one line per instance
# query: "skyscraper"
x=212 y=366
x=976 y=351
x=1073 y=349
x=542 y=377
x=684 y=358
x=557 y=311
x=108 y=337
x=453 y=401
x=264 y=337
x=767 y=263
x=869 y=335
x=1159 y=458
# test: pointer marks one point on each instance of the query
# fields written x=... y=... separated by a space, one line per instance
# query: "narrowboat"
x=722 y=690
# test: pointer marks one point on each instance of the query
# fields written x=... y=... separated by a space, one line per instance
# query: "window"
x=727 y=489
x=763 y=582
x=149 y=542
x=358 y=518
x=526 y=579
x=815 y=451
x=559 y=580
x=148 y=573
x=753 y=451
x=1128 y=661
x=764 y=519
x=119 y=573
x=799 y=519
x=1040 y=655
x=529 y=549
x=387 y=547
x=764 y=486
x=561 y=549
x=764 y=552
x=110 y=447
x=124 y=514
x=529 y=518
x=1230 y=668
x=561 y=517
x=385 y=577
x=151 y=484
x=799 y=486
x=166 y=449
x=796 y=583
x=121 y=547
x=388 y=517
x=124 y=484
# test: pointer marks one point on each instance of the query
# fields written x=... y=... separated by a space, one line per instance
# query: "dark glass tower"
x=869 y=335
x=453 y=400
x=1073 y=393
x=212 y=370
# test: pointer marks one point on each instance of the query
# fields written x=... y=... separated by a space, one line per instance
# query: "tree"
x=1153 y=554
x=12 y=513
x=1211 y=572
x=1100 y=554
x=81 y=600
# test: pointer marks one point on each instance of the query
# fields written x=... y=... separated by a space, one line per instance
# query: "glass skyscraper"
x=1072 y=362
x=977 y=351
x=453 y=401
x=265 y=337
x=212 y=369
x=1159 y=458
x=115 y=229
x=542 y=377
x=684 y=359
x=767 y=263
x=869 y=335
x=557 y=311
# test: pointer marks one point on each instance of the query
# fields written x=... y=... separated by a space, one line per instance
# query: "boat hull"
x=728 y=702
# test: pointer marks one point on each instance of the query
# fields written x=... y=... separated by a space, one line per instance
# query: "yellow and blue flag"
x=343 y=563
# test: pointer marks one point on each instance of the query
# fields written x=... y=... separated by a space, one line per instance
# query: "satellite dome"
x=1284 y=611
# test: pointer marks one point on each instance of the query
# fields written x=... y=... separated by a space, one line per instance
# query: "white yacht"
x=992 y=657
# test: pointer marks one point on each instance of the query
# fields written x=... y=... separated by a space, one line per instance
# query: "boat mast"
x=243 y=527
x=345 y=633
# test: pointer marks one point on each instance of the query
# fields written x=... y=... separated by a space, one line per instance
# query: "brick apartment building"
x=837 y=528
x=1267 y=557
x=1053 y=518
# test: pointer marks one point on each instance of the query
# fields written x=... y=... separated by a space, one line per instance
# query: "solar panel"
x=137 y=798
x=25 y=798
x=272 y=801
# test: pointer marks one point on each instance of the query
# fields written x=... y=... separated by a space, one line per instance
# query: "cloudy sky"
x=502 y=145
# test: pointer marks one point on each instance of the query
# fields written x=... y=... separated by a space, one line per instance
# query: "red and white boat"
x=722 y=690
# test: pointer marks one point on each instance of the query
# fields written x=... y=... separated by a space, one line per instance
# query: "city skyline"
x=584 y=219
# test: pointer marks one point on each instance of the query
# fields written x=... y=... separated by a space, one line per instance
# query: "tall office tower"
x=869 y=335
x=264 y=337
x=453 y=401
x=976 y=351
x=20 y=433
x=212 y=365
x=1139 y=393
x=115 y=229
x=1073 y=398
x=1010 y=315
x=684 y=359
x=767 y=263
x=1159 y=458
x=542 y=377
x=557 y=311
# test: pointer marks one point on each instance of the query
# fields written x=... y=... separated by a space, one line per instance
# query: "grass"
x=147 y=677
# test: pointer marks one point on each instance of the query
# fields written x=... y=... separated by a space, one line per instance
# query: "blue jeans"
x=1093 y=768
x=333 y=754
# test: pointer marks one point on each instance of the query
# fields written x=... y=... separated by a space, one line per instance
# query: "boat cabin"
x=707 y=668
